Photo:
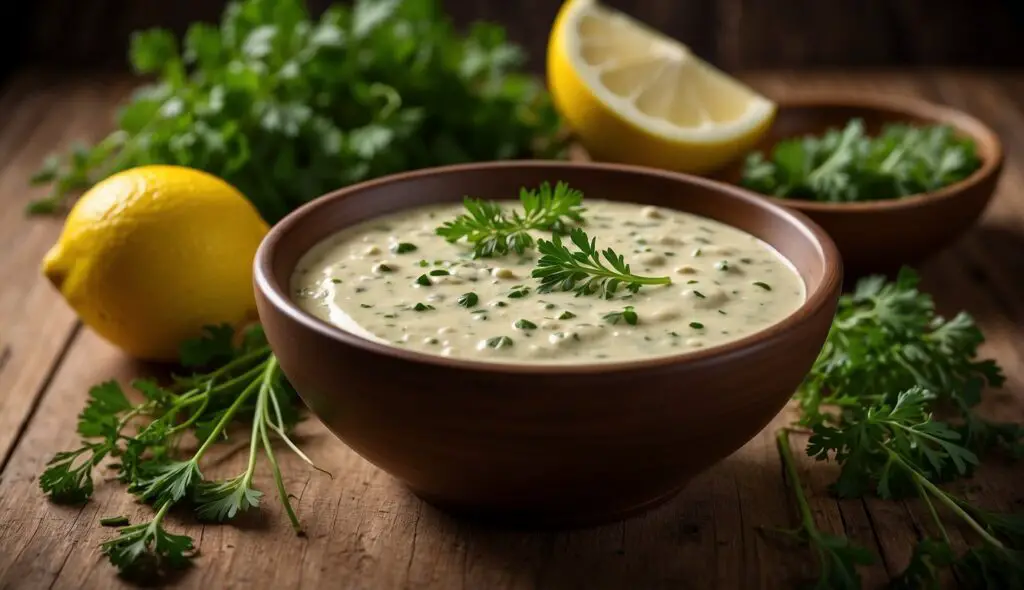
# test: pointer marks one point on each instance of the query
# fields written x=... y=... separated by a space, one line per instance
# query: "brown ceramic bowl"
x=881 y=236
x=535 y=444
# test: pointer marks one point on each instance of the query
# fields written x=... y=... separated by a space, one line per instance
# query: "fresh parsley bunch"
x=846 y=165
x=286 y=108
x=494 y=232
x=891 y=399
x=158 y=445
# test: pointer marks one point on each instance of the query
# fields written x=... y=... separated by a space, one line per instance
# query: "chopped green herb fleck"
x=627 y=315
x=566 y=315
x=440 y=272
x=403 y=247
x=697 y=325
x=722 y=265
x=422 y=307
x=423 y=280
x=698 y=295
x=115 y=521
x=499 y=342
x=525 y=325
x=763 y=285
x=519 y=293
x=365 y=305
x=336 y=281
x=468 y=299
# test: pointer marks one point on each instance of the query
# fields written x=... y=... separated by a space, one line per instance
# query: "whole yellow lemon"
x=150 y=255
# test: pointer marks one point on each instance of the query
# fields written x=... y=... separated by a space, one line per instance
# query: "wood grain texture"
x=39 y=116
x=366 y=532
x=734 y=34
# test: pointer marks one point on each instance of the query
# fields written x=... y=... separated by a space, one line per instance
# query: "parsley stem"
x=947 y=500
x=154 y=523
x=280 y=429
x=225 y=419
x=257 y=418
x=240 y=361
x=931 y=509
x=191 y=419
x=266 y=391
x=786 y=454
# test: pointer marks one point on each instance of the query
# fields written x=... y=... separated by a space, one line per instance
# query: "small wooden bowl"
x=881 y=236
x=543 y=444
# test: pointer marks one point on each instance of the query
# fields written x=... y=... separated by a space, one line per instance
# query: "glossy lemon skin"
x=150 y=255
x=606 y=135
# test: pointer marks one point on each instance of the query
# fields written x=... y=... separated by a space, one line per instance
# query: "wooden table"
x=366 y=531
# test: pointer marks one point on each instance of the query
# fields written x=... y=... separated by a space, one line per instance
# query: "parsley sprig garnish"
x=493 y=232
x=891 y=400
x=245 y=383
x=586 y=270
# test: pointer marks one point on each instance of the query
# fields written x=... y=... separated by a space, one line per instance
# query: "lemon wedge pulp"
x=634 y=95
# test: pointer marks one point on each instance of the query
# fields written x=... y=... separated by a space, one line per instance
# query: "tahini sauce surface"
x=393 y=280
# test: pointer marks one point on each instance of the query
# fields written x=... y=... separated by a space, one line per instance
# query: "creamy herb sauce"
x=393 y=280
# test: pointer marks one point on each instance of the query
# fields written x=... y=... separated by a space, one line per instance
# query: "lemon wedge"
x=634 y=95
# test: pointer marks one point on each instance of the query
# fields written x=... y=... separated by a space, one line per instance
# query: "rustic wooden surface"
x=364 y=530
x=731 y=33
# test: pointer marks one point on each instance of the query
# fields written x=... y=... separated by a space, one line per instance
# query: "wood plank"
x=41 y=114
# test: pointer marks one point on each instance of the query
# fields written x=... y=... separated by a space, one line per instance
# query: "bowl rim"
x=913 y=107
x=277 y=295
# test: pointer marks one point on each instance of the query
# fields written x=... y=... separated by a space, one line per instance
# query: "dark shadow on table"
x=679 y=545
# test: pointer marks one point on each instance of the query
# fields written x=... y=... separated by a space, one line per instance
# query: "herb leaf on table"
x=240 y=381
x=846 y=165
x=891 y=399
x=493 y=232
x=286 y=107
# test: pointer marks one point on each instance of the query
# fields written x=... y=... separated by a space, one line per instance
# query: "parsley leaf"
x=242 y=381
x=845 y=165
x=583 y=270
x=887 y=338
x=871 y=400
x=286 y=107
x=147 y=550
x=492 y=232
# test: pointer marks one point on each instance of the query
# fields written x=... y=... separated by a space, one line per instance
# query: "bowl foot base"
x=568 y=516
